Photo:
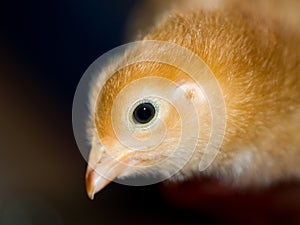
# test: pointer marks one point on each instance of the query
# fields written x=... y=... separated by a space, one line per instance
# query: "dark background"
x=60 y=39
x=45 y=47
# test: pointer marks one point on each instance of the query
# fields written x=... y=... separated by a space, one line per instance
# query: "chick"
x=255 y=60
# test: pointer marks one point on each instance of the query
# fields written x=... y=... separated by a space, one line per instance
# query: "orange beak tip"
x=94 y=183
x=108 y=171
x=89 y=186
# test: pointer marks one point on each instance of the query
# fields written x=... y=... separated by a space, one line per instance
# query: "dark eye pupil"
x=144 y=113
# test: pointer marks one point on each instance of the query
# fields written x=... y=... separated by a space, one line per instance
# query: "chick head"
x=148 y=118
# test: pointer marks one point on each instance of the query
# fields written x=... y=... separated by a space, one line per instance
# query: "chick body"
x=256 y=61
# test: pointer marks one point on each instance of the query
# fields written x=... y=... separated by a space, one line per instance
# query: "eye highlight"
x=143 y=113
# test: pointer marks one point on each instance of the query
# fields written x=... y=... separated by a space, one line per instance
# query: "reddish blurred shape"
x=279 y=204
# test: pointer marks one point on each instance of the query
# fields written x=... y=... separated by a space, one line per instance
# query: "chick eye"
x=144 y=113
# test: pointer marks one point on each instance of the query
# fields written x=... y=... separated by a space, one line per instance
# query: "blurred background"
x=45 y=47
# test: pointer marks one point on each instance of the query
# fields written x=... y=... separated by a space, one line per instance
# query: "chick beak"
x=105 y=171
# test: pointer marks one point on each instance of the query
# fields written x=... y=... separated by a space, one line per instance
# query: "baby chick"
x=256 y=62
